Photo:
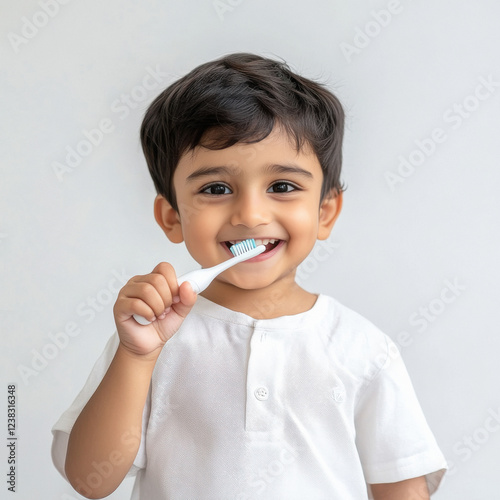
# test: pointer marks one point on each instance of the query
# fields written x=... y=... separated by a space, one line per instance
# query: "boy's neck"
x=282 y=298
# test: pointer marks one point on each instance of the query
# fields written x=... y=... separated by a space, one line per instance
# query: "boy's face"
x=266 y=191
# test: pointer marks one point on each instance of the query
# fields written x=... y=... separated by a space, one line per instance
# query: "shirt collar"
x=206 y=307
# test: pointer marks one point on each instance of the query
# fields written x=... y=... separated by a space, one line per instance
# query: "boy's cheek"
x=191 y=210
x=303 y=225
x=202 y=245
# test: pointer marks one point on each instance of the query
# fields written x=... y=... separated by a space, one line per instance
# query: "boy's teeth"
x=265 y=241
x=258 y=242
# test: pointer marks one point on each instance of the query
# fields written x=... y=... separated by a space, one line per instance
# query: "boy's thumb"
x=187 y=298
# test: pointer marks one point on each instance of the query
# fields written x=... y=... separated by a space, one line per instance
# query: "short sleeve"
x=62 y=428
x=392 y=435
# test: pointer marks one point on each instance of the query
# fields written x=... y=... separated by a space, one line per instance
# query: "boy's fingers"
x=156 y=295
x=122 y=310
x=168 y=272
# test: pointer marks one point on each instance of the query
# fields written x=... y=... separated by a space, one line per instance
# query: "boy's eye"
x=216 y=189
x=281 y=187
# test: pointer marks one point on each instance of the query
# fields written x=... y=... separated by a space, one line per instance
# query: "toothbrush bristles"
x=242 y=247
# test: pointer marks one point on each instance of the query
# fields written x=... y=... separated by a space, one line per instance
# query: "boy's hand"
x=158 y=298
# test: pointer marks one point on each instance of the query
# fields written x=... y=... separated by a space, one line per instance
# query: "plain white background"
x=415 y=249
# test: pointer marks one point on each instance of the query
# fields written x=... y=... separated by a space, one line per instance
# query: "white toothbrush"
x=201 y=278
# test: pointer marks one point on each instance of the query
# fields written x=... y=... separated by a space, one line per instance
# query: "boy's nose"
x=250 y=211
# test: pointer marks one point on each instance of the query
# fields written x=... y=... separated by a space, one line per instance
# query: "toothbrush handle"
x=199 y=279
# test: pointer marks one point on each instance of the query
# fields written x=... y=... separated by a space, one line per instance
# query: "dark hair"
x=240 y=98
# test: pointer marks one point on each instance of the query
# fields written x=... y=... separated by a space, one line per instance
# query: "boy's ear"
x=168 y=219
x=329 y=210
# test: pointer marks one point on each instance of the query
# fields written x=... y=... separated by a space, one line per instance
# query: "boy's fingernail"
x=164 y=313
x=176 y=299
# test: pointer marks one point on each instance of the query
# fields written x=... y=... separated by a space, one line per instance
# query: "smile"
x=269 y=243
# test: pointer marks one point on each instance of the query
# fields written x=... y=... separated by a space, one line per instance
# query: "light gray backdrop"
x=415 y=250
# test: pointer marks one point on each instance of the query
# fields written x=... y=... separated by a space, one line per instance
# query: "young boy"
x=256 y=389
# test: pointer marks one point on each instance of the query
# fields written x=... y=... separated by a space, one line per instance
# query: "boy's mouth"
x=269 y=243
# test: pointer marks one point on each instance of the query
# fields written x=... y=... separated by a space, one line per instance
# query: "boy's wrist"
x=147 y=359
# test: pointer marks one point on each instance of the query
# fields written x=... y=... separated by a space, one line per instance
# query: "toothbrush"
x=201 y=278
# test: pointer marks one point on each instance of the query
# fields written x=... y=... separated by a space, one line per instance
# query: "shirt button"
x=261 y=393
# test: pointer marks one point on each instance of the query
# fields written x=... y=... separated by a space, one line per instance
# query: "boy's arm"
x=105 y=439
x=100 y=450
x=411 y=489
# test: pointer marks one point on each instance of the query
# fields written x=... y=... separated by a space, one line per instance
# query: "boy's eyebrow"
x=205 y=171
x=289 y=169
x=274 y=168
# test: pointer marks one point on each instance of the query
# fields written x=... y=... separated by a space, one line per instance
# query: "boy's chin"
x=255 y=283
x=248 y=284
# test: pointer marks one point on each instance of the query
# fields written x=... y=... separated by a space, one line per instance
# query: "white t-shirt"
x=313 y=405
